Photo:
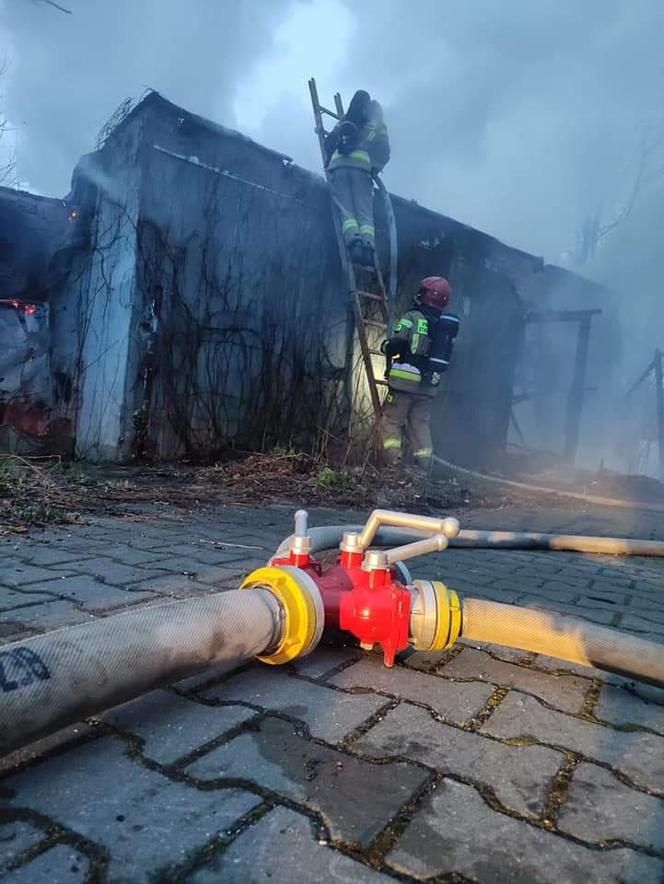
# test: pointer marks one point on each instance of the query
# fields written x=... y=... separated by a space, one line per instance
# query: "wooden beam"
x=577 y=389
x=660 y=406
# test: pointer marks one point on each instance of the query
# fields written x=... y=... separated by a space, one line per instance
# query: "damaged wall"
x=204 y=305
x=31 y=229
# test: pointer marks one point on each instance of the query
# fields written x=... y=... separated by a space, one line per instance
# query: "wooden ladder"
x=368 y=300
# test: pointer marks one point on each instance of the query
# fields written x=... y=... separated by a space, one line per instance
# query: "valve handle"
x=447 y=526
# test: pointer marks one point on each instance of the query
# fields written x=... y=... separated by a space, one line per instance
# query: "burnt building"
x=197 y=302
x=32 y=228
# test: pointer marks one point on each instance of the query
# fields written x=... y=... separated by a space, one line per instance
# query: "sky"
x=520 y=117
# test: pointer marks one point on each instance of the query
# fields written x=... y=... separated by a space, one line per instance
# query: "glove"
x=348 y=135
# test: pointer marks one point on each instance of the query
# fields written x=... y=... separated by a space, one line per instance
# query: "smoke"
x=526 y=120
x=67 y=73
x=519 y=118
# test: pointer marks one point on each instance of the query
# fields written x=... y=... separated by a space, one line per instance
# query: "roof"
x=499 y=249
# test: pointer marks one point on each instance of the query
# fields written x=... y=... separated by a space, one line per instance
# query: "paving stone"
x=642 y=608
x=599 y=807
x=623 y=708
x=197 y=683
x=452 y=701
x=173 y=726
x=228 y=576
x=208 y=554
x=552 y=664
x=421 y=661
x=202 y=571
x=174 y=585
x=502 y=850
x=152 y=541
x=10 y=631
x=59 y=865
x=638 y=755
x=564 y=692
x=551 y=589
x=18 y=574
x=115 y=572
x=567 y=578
x=44 y=556
x=329 y=714
x=323 y=659
x=127 y=555
x=355 y=798
x=520 y=775
x=54 y=742
x=50 y=615
x=612 y=584
x=93 y=595
x=506 y=595
x=147 y=822
x=509 y=655
x=641 y=624
x=258 y=855
x=10 y=599
x=15 y=838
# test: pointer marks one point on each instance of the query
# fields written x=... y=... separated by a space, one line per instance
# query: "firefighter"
x=356 y=150
x=417 y=355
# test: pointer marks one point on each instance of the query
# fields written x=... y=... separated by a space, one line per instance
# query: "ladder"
x=368 y=299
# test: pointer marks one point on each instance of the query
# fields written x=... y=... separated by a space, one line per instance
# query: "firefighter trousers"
x=407 y=418
x=352 y=190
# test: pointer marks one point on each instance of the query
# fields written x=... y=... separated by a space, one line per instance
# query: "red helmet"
x=434 y=291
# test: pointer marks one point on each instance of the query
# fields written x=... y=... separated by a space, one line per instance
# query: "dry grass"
x=43 y=491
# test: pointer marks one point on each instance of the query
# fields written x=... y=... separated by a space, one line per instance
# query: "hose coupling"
x=435 y=616
x=302 y=608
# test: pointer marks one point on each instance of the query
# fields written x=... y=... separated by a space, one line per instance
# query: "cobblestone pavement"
x=483 y=764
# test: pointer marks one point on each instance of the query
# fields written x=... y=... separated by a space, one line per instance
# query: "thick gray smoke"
x=67 y=73
x=533 y=121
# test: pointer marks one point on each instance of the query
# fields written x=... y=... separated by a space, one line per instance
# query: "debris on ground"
x=41 y=491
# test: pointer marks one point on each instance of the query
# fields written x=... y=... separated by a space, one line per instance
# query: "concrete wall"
x=240 y=281
x=93 y=312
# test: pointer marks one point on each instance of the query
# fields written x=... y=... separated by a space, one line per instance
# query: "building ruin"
x=195 y=302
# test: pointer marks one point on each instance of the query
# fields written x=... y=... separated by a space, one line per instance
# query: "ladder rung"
x=380 y=382
x=372 y=322
x=373 y=296
x=375 y=352
x=330 y=113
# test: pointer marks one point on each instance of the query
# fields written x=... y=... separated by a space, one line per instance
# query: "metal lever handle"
x=437 y=543
x=448 y=527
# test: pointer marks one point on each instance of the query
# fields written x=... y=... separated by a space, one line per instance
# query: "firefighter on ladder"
x=356 y=150
x=417 y=355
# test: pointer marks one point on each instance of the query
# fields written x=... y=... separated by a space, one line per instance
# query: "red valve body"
x=373 y=605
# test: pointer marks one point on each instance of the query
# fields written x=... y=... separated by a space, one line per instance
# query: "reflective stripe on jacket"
x=413 y=328
x=405 y=377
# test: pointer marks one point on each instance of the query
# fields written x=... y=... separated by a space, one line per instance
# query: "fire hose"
x=53 y=680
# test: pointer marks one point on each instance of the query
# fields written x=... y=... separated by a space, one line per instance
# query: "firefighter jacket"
x=420 y=350
x=367 y=149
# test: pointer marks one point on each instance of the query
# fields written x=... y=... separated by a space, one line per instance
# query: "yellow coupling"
x=435 y=616
x=302 y=606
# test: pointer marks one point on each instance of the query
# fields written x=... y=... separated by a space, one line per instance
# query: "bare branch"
x=57 y=6
x=649 y=169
